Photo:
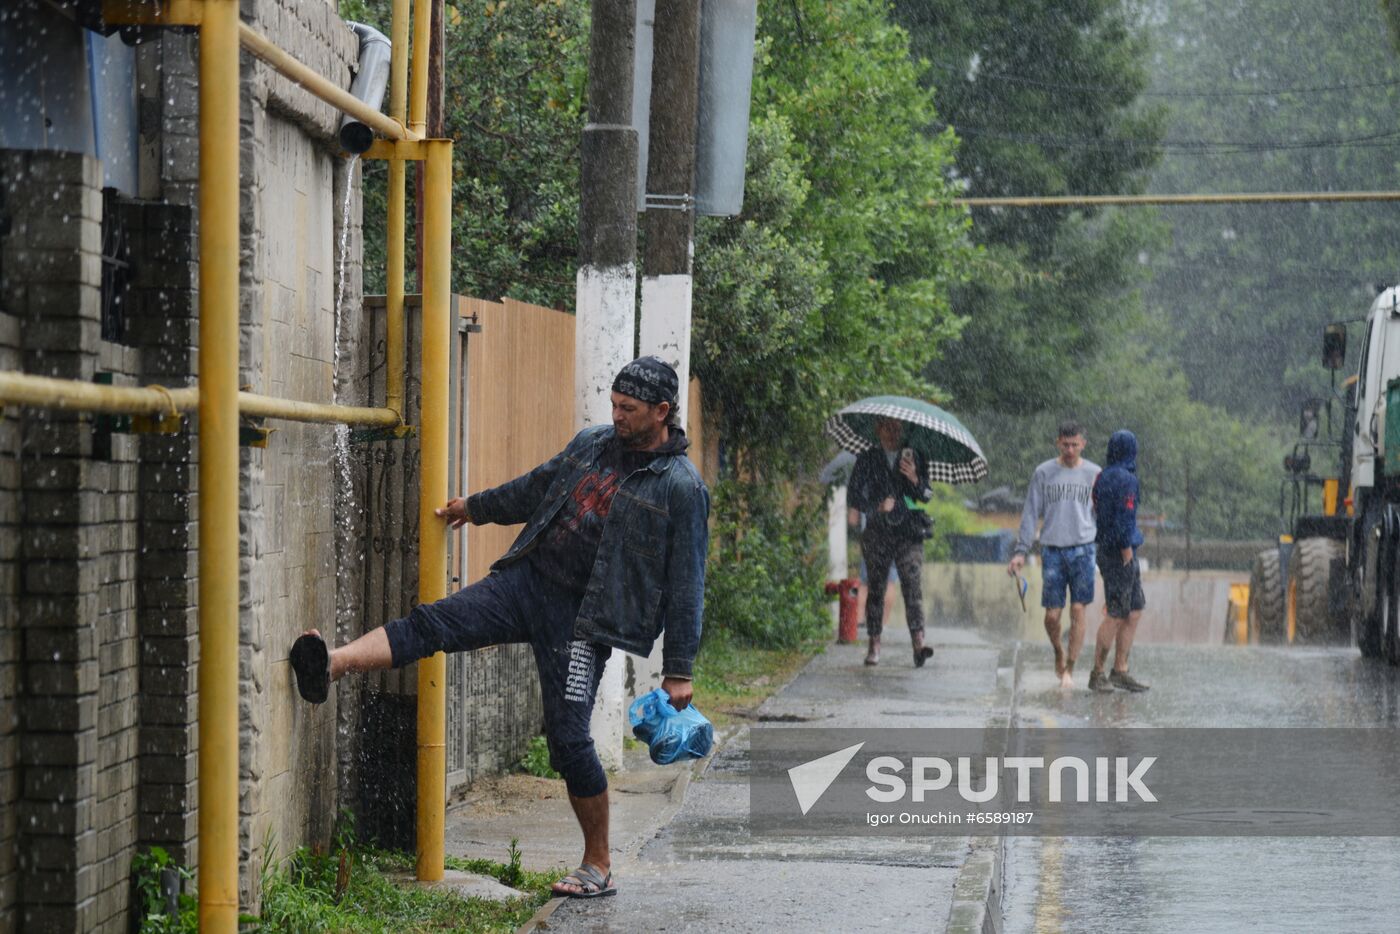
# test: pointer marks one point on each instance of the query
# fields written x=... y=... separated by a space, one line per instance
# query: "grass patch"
x=732 y=678
x=353 y=891
x=536 y=759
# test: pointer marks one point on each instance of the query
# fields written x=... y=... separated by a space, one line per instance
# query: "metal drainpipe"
x=218 y=467
x=432 y=535
x=370 y=81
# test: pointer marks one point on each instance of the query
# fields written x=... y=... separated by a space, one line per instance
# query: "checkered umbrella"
x=952 y=453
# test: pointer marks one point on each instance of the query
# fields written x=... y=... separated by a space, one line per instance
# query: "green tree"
x=515 y=81
x=1248 y=288
x=1229 y=470
x=833 y=283
x=1045 y=96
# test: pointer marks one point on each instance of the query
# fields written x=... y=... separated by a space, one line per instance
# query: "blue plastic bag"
x=670 y=734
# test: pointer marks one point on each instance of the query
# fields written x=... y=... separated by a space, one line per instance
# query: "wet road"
x=1116 y=884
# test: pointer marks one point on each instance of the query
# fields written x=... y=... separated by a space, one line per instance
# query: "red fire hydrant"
x=848 y=591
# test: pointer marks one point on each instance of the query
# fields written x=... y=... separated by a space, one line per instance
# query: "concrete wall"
x=295 y=200
x=1181 y=607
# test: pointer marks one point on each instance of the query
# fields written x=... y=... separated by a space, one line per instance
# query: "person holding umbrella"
x=883 y=480
x=902 y=446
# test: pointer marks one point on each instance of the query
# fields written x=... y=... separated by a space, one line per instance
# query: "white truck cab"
x=1380 y=363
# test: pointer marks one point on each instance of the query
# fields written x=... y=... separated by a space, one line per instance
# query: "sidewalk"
x=682 y=855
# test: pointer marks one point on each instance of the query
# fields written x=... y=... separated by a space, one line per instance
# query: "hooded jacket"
x=1116 y=493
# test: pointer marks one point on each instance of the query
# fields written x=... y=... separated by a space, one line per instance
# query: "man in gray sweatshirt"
x=1061 y=494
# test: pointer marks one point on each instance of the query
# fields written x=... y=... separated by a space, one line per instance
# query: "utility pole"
x=668 y=283
x=607 y=275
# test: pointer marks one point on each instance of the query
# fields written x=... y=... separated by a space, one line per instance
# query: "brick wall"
x=77 y=718
x=162 y=307
x=10 y=670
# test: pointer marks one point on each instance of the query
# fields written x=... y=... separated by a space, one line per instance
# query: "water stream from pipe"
x=344 y=495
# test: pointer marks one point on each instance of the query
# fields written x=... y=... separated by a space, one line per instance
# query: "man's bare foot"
x=1066 y=681
x=587 y=881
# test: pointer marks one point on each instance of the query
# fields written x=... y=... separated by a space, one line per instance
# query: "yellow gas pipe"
x=422 y=39
x=398 y=109
x=42 y=392
x=432 y=537
x=218 y=467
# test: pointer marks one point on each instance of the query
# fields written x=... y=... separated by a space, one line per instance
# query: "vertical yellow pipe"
x=422 y=39
x=218 y=468
x=432 y=537
x=398 y=61
x=398 y=109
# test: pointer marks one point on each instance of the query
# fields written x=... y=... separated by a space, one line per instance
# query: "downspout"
x=90 y=40
x=371 y=79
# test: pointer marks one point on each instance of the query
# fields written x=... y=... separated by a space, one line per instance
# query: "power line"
x=1171 y=93
x=1184 y=146
x=1281 y=197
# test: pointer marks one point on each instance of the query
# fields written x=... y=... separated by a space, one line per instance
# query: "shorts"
x=1122 y=585
x=1069 y=568
x=518 y=604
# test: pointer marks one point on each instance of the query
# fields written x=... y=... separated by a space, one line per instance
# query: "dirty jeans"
x=908 y=559
x=516 y=604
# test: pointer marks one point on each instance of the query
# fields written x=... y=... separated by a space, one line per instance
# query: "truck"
x=1334 y=575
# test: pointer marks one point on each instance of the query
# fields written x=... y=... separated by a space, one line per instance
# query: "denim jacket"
x=649 y=574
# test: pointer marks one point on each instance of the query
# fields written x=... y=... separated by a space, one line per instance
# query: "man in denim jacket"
x=612 y=556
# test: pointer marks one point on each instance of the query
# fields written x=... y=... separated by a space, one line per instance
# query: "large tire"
x=1265 y=611
x=1316 y=608
x=1368 y=609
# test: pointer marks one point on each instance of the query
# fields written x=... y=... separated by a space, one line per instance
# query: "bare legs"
x=592 y=814
x=1064 y=661
x=1119 y=631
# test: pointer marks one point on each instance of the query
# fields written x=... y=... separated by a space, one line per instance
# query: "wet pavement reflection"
x=1209 y=883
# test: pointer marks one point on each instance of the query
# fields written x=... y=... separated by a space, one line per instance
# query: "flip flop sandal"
x=311 y=661
x=593 y=884
x=921 y=655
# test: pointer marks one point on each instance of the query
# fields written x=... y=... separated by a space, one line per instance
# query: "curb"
x=977 y=891
x=539 y=921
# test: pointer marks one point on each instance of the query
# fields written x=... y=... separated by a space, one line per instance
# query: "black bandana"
x=650 y=379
